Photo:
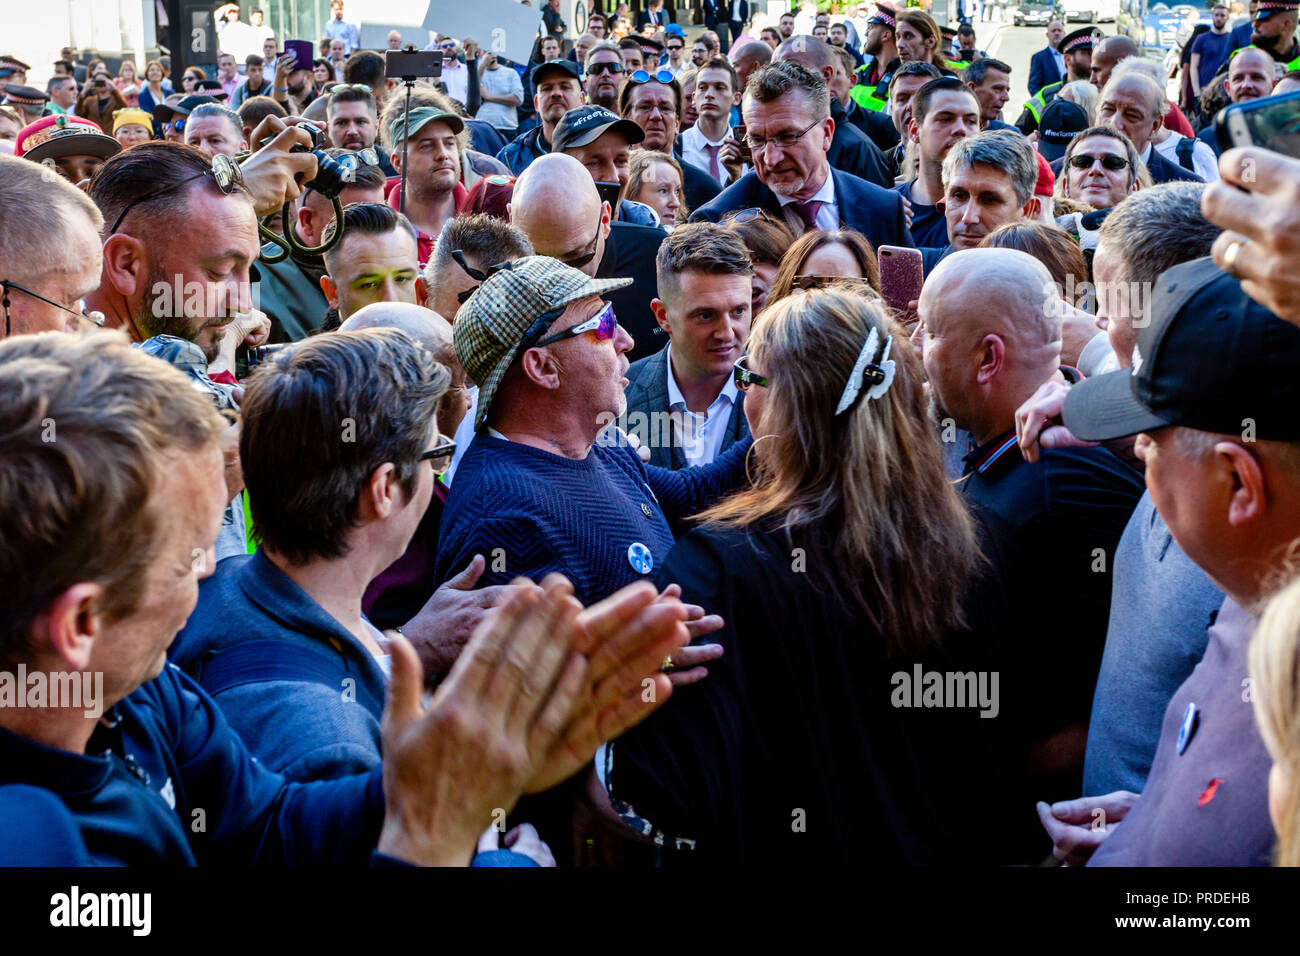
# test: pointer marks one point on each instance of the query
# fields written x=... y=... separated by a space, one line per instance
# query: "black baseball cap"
x=568 y=67
x=1061 y=122
x=586 y=124
x=210 y=88
x=1211 y=358
x=164 y=112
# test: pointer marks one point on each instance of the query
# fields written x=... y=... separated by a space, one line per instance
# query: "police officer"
x=872 y=90
x=1076 y=47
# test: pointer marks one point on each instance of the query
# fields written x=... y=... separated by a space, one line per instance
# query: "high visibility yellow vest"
x=874 y=98
x=1038 y=102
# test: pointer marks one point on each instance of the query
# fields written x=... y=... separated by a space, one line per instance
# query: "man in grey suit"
x=682 y=402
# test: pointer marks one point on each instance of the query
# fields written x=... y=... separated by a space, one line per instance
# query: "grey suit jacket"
x=647 y=413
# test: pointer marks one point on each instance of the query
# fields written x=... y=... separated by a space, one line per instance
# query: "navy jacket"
x=602 y=522
x=523 y=149
x=1042 y=70
x=165 y=780
x=875 y=212
x=647 y=394
x=316 y=716
x=698 y=187
x=1210 y=139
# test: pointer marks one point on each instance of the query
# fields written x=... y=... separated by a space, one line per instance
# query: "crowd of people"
x=665 y=452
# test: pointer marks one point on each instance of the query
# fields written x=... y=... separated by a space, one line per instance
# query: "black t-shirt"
x=630 y=250
x=794 y=749
x=1065 y=515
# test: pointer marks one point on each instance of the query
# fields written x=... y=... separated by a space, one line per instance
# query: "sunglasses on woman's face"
x=1108 y=161
x=743 y=377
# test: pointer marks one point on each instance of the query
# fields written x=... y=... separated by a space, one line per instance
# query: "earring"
x=748 y=476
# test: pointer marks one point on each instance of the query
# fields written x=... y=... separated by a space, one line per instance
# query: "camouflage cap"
x=492 y=324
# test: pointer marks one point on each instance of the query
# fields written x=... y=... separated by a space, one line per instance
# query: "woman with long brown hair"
x=849 y=570
x=822 y=255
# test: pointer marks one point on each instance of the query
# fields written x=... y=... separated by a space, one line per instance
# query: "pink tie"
x=808 y=212
x=714 y=169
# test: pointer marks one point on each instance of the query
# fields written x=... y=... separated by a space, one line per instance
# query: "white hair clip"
x=879 y=374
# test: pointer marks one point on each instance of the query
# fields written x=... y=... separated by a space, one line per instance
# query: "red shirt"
x=1177 y=122
x=393 y=193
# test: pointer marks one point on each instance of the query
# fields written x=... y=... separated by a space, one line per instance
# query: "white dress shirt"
x=455 y=75
x=701 y=434
x=1204 y=163
x=828 y=217
x=695 y=151
x=1059 y=58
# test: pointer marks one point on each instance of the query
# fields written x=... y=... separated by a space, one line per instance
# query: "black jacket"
x=853 y=153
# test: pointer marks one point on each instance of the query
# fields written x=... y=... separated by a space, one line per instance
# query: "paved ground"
x=1015 y=46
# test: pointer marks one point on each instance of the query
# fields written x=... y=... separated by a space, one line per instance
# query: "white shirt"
x=694 y=151
x=464 y=435
x=1060 y=64
x=1204 y=163
x=735 y=10
x=456 y=77
x=701 y=434
x=828 y=217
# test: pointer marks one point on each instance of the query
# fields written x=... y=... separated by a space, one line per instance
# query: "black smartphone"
x=1272 y=122
x=609 y=193
x=416 y=64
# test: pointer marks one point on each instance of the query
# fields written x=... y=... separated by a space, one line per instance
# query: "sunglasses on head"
x=660 y=76
x=1108 y=161
x=224 y=172
x=360 y=87
x=609 y=67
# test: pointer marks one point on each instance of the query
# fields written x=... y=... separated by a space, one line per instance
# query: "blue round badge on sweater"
x=639 y=556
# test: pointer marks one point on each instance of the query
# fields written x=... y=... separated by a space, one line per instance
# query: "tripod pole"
x=406 y=138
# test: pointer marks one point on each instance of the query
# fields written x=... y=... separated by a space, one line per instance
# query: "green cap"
x=421 y=117
x=490 y=326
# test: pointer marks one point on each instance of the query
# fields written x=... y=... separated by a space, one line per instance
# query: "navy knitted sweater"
x=602 y=522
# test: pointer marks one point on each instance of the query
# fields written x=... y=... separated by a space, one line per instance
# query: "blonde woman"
x=1084 y=94
x=655 y=180
x=1275 y=674
x=850 y=562
x=126 y=76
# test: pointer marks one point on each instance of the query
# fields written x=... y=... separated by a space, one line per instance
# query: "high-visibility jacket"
x=873 y=97
x=1038 y=102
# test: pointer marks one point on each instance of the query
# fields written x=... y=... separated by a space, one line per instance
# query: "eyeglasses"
x=578 y=261
x=744 y=378
x=440 y=455
x=1108 y=161
x=95 y=318
x=607 y=67
x=660 y=76
x=785 y=140
x=604 y=323
x=224 y=172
